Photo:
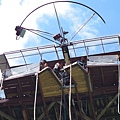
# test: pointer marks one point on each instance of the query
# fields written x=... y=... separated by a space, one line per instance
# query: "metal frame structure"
x=94 y=91
x=56 y=51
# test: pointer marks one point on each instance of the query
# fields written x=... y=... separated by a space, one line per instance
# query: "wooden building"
x=92 y=93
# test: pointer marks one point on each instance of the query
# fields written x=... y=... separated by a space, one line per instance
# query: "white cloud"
x=12 y=13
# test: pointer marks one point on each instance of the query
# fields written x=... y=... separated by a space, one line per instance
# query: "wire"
x=35 y=95
x=39 y=31
x=58 y=2
x=108 y=29
x=80 y=28
x=70 y=93
x=44 y=37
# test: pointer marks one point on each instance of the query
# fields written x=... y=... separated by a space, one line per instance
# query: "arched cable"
x=59 y=2
x=58 y=20
x=80 y=28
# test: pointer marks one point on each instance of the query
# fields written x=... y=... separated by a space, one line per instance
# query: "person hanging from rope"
x=57 y=69
x=83 y=62
x=61 y=73
x=43 y=64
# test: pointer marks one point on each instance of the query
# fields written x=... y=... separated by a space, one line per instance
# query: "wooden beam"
x=90 y=96
x=75 y=110
x=56 y=113
x=105 y=90
x=6 y=116
x=25 y=112
x=43 y=99
x=106 y=108
x=43 y=114
x=84 y=116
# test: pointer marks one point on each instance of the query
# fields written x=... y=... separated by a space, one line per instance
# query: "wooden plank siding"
x=51 y=86
x=79 y=76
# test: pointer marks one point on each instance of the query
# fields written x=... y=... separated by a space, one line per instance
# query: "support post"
x=6 y=116
x=24 y=111
x=90 y=97
x=106 y=108
x=66 y=54
x=78 y=101
x=43 y=114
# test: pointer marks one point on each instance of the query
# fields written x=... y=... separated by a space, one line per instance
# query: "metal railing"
x=78 y=48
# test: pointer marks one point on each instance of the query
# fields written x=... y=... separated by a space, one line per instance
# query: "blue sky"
x=13 y=12
x=109 y=10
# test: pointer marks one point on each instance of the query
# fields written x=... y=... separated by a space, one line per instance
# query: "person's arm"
x=45 y=65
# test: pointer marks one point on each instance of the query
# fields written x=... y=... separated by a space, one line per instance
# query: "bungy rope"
x=36 y=74
x=1 y=82
x=70 y=93
x=60 y=107
x=118 y=86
